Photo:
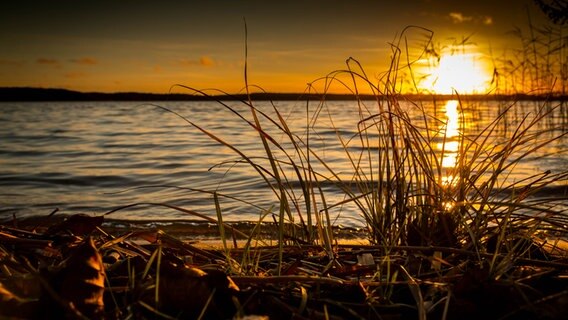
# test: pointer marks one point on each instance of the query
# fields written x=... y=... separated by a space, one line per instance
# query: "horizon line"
x=30 y=94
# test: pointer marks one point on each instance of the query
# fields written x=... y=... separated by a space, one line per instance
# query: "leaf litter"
x=74 y=269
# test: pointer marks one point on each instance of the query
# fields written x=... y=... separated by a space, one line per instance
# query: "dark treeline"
x=52 y=94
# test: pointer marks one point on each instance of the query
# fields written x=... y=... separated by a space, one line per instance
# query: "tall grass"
x=539 y=64
x=398 y=183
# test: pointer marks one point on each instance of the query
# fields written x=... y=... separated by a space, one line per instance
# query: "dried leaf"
x=80 y=281
x=25 y=285
x=12 y=305
x=185 y=292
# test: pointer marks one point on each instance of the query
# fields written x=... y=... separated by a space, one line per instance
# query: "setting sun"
x=457 y=72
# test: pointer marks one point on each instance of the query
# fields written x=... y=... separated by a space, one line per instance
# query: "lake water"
x=93 y=157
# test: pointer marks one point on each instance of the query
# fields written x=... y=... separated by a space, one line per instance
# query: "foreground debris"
x=74 y=269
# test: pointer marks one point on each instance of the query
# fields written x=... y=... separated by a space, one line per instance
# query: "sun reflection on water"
x=451 y=142
x=450 y=153
x=453 y=119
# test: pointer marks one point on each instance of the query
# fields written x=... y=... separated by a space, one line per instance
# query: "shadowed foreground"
x=75 y=269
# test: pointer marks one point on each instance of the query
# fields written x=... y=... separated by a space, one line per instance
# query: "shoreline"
x=191 y=230
x=29 y=94
x=205 y=235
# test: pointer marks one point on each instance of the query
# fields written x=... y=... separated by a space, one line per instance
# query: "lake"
x=93 y=157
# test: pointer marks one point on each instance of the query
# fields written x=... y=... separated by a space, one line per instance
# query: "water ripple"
x=95 y=156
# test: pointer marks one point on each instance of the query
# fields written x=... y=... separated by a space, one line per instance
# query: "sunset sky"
x=147 y=46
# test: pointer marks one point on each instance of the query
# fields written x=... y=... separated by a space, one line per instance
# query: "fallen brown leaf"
x=79 y=281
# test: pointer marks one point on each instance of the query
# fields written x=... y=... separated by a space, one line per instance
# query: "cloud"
x=54 y=62
x=75 y=75
x=47 y=61
x=187 y=62
x=458 y=17
x=87 y=61
x=204 y=61
x=4 y=62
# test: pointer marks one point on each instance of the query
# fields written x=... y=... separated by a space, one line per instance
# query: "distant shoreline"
x=25 y=94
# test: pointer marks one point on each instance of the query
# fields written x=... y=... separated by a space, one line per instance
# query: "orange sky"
x=147 y=46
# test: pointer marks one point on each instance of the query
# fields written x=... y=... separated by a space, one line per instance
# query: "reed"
x=397 y=181
x=540 y=62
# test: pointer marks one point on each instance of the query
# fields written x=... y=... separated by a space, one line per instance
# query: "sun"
x=461 y=73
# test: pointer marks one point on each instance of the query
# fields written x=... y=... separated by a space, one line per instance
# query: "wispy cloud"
x=87 y=61
x=207 y=61
x=458 y=17
x=186 y=62
x=5 y=62
x=75 y=75
x=487 y=20
x=47 y=61
x=204 y=61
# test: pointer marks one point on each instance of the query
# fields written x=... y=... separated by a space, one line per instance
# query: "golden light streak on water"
x=453 y=119
x=450 y=153
x=450 y=130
